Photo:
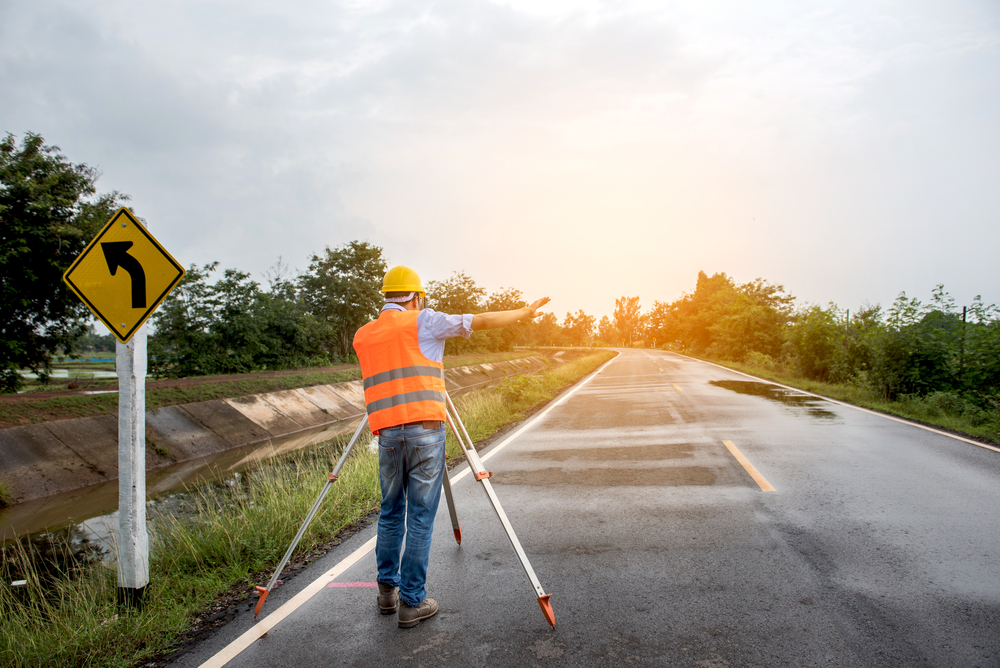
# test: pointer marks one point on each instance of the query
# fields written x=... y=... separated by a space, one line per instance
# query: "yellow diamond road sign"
x=123 y=275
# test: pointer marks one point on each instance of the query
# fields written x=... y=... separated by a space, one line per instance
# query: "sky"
x=579 y=150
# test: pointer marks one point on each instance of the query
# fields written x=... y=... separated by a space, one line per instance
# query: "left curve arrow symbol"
x=116 y=253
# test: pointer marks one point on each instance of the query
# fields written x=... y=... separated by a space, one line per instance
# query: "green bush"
x=812 y=341
x=517 y=389
x=938 y=405
x=761 y=361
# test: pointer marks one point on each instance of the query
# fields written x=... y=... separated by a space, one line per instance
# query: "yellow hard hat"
x=401 y=279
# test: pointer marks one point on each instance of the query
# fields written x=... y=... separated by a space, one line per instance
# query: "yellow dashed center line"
x=677 y=388
x=750 y=468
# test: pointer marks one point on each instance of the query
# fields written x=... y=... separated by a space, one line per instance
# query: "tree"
x=578 y=329
x=699 y=311
x=727 y=320
x=662 y=323
x=979 y=354
x=256 y=330
x=606 y=332
x=752 y=318
x=49 y=211
x=627 y=318
x=181 y=344
x=814 y=340
x=342 y=290
x=854 y=360
x=232 y=326
x=458 y=295
x=545 y=331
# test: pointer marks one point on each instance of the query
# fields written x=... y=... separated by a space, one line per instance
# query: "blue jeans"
x=411 y=470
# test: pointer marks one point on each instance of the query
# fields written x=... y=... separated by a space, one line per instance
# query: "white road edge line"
x=251 y=635
x=844 y=403
x=229 y=652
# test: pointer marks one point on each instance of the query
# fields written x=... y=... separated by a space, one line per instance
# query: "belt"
x=426 y=424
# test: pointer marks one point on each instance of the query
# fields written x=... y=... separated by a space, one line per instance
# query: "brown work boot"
x=410 y=616
x=388 y=597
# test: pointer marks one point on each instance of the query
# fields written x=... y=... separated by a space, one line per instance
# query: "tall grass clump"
x=262 y=512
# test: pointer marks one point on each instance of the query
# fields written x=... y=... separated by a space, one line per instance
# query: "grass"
x=5 y=495
x=231 y=535
x=944 y=410
x=13 y=414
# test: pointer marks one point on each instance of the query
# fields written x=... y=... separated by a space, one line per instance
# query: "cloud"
x=584 y=150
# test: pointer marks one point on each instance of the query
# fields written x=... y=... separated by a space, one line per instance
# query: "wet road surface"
x=878 y=547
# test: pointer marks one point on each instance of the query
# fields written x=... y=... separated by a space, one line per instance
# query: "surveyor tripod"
x=481 y=475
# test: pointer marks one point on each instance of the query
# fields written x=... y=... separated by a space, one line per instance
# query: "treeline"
x=908 y=349
x=234 y=324
x=226 y=322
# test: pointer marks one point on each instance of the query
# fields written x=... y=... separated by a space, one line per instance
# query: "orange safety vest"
x=401 y=384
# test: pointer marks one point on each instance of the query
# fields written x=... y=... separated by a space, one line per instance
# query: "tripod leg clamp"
x=483 y=474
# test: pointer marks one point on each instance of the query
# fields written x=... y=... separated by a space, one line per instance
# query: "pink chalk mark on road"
x=340 y=585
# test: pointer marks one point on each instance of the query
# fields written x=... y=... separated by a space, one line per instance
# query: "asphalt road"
x=878 y=547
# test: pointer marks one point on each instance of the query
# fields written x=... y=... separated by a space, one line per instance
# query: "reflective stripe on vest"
x=401 y=385
x=406 y=398
x=405 y=372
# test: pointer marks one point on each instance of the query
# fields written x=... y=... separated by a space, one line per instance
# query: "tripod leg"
x=476 y=464
x=450 y=500
x=264 y=591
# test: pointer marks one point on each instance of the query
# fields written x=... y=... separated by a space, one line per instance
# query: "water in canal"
x=80 y=526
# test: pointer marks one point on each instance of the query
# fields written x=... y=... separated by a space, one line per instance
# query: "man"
x=401 y=357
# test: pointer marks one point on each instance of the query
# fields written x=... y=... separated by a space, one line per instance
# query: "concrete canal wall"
x=54 y=458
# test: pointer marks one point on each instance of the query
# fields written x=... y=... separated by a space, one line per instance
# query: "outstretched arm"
x=497 y=319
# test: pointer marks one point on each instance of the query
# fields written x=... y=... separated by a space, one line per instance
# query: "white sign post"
x=122 y=276
x=133 y=541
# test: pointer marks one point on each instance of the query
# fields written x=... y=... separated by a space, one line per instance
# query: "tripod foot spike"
x=260 y=601
x=543 y=603
x=458 y=534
